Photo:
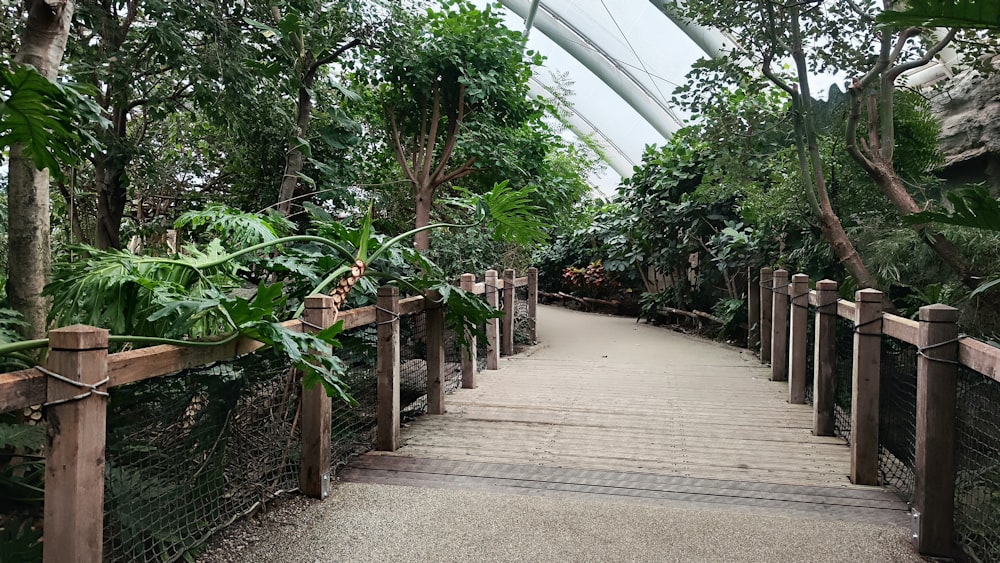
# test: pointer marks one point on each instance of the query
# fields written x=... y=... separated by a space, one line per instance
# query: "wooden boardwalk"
x=609 y=409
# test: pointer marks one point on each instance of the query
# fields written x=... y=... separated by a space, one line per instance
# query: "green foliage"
x=21 y=488
x=978 y=14
x=118 y=290
x=236 y=229
x=972 y=206
x=46 y=118
x=510 y=214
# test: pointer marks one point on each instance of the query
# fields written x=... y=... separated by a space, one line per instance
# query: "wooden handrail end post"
x=934 y=460
x=74 y=465
x=317 y=411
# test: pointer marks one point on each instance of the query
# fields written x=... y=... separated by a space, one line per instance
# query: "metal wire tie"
x=311 y=325
x=920 y=351
x=395 y=316
x=92 y=388
x=866 y=323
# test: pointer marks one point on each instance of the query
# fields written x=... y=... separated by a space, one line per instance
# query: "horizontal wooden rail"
x=902 y=328
x=480 y=288
x=28 y=387
x=845 y=309
x=980 y=356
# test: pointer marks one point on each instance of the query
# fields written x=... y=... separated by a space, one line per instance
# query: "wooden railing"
x=74 y=384
x=780 y=309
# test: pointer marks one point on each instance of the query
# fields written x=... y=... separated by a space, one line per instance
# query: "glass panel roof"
x=623 y=59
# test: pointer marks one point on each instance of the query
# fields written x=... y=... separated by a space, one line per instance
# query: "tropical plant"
x=451 y=84
x=199 y=297
x=46 y=118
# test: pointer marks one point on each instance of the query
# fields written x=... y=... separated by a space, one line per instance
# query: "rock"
x=969 y=110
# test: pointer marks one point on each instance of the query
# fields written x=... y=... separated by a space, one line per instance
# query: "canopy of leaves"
x=46 y=118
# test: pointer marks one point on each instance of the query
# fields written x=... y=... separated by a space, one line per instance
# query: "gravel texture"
x=395 y=523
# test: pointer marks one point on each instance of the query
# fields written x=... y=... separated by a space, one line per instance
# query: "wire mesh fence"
x=977 y=457
x=810 y=353
x=482 y=348
x=522 y=324
x=189 y=453
x=843 y=386
x=897 y=416
x=353 y=427
x=412 y=365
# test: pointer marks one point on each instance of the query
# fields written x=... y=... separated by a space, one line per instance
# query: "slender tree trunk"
x=424 y=199
x=879 y=166
x=112 y=198
x=833 y=230
x=42 y=46
x=294 y=159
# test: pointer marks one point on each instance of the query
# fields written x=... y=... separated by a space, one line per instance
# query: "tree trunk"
x=294 y=159
x=112 y=197
x=28 y=259
x=425 y=196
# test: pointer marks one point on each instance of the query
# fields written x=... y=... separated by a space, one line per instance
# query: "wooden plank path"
x=606 y=408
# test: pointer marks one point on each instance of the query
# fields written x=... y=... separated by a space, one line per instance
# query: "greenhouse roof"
x=622 y=61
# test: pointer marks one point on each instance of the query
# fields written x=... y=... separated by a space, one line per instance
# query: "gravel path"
x=394 y=523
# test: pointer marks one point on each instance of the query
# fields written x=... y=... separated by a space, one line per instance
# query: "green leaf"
x=22 y=436
x=971 y=207
x=45 y=117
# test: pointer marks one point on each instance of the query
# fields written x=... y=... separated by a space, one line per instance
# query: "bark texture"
x=42 y=46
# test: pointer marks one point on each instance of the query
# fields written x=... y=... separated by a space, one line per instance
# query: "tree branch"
x=319 y=63
x=432 y=135
x=454 y=123
x=851 y=133
x=899 y=69
x=769 y=73
x=462 y=171
x=397 y=145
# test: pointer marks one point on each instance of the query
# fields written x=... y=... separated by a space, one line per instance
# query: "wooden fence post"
x=434 y=312
x=387 y=369
x=779 y=326
x=507 y=334
x=766 y=283
x=314 y=476
x=753 y=312
x=469 y=359
x=824 y=358
x=74 y=466
x=797 y=335
x=934 y=464
x=492 y=325
x=865 y=385
x=533 y=304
